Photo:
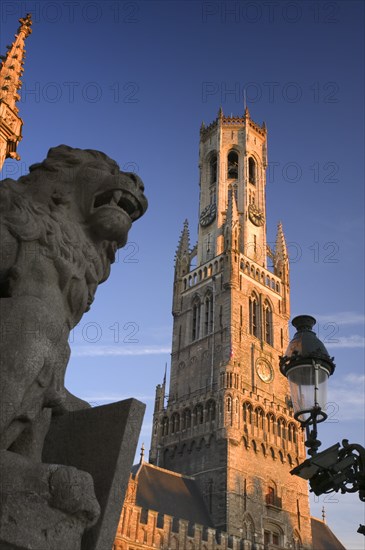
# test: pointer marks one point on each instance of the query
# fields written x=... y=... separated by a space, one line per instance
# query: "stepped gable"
x=169 y=493
x=323 y=538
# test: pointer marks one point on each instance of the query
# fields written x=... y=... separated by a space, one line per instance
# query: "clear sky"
x=135 y=79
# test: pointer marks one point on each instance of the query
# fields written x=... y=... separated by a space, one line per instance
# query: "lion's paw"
x=72 y=491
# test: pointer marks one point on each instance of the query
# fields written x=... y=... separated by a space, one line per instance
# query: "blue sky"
x=135 y=79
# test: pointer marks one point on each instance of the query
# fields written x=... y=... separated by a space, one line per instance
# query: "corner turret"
x=182 y=265
x=281 y=265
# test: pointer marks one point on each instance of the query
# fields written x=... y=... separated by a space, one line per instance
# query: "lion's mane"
x=58 y=235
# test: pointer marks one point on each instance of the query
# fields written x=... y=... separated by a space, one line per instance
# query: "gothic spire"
x=182 y=265
x=11 y=69
x=281 y=259
x=281 y=252
x=184 y=242
x=12 y=65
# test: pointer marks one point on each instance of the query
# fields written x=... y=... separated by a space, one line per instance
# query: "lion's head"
x=77 y=206
x=92 y=187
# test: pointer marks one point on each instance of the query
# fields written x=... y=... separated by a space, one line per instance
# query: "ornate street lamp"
x=307 y=365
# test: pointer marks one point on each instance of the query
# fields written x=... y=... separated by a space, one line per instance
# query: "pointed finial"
x=202 y=127
x=247 y=112
x=11 y=69
x=323 y=515
x=142 y=454
x=220 y=112
x=164 y=376
x=25 y=24
x=264 y=125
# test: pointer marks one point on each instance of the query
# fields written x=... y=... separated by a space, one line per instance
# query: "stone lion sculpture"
x=60 y=228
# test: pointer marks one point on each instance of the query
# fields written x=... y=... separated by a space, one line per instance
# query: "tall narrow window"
x=210 y=407
x=254 y=314
x=196 y=320
x=247 y=413
x=252 y=171
x=268 y=328
x=212 y=194
x=270 y=495
x=232 y=171
x=213 y=169
x=208 y=314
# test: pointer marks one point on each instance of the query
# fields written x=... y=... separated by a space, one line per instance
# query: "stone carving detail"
x=61 y=226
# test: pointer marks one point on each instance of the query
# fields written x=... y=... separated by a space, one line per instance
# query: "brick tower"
x=11 y=70
x=228 y=420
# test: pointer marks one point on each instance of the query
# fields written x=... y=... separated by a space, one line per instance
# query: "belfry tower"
x=11 y=70
x=228 y=419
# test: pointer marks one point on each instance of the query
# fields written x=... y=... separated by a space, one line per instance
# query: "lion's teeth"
x=117 y=195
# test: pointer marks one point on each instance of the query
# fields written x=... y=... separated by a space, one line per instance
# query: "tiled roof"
x=170 y=493
x=323 y=538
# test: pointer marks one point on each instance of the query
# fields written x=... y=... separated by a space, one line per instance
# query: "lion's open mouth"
x=119 y=198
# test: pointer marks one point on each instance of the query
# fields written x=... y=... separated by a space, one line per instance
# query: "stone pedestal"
x=100 y=441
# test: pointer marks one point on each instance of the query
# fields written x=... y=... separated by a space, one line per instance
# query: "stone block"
x=101 y=441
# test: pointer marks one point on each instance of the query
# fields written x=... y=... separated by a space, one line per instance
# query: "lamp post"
x=307 y=365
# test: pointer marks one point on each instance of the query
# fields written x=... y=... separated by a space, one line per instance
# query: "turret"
x=182 y=265
x=159 y=407
x=10 y=72
x=281 y=265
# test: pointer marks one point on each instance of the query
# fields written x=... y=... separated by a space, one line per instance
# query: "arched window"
x=297 y=543
x=268 y=328
x=229 y=404
x=175 y=423
x=281 y=428
x=272 y=495
x=252 y=170
x=259 y=420
x=198 y=414
x=254 y=315
x=270 y=423
x=196 y=320
x=208 y=314
x=187 y=419
x=165 y=426
x=213 y=169
x=247 y=413
x=213 y=194
x=210 y=407
x=232 y=171
x=248 y=528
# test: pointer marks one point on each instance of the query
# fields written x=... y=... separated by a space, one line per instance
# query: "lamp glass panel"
x=304 y=392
